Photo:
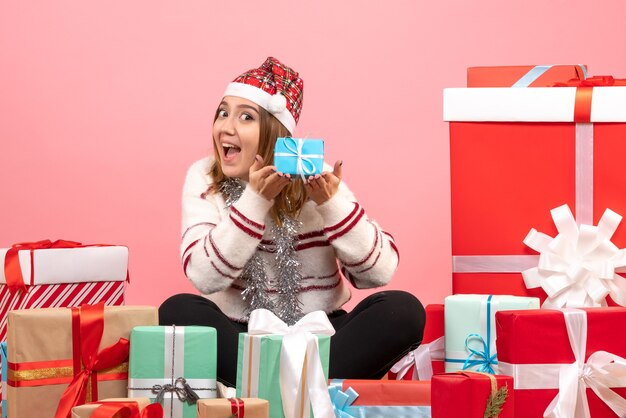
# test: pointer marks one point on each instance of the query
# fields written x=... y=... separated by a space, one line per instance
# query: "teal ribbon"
x=342 y=401
x=536 y=72
x=304 y=164
x=484 y=359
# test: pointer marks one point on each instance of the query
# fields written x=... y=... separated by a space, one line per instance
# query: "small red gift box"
x=523 y=75
x=576 y=348
x=429 y=355
x=517 y=153
x=469 y=395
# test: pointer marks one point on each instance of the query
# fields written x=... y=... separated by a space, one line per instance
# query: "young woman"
x=257 y=238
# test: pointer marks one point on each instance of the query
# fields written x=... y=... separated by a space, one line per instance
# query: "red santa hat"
x=273 y=86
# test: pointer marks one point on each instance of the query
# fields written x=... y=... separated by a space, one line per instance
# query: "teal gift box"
x=258 y=368
x=298 y=156
x=169 y=363
x=3 y=355
x=470 y=329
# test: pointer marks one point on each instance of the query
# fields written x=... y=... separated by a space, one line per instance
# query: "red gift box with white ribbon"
x=566 y=363
x=517 y=153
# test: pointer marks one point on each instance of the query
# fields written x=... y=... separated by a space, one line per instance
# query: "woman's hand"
x=321 y=188
x=265 y=180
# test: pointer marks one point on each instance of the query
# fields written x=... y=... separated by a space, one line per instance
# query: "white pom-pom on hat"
x=277 y=103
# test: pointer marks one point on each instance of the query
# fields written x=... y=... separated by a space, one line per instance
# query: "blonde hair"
x=292 y=198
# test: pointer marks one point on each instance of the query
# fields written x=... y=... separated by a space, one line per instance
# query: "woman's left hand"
x=321 y=187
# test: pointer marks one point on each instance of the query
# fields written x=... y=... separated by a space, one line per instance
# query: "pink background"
x=103 y=105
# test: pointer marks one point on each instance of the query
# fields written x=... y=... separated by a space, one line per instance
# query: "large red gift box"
x=432 y=346
x=523 y=75
x=517 y=153
x=535 y=346
x=466 y=394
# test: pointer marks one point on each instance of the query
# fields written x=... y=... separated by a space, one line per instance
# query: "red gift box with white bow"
x=565 y=363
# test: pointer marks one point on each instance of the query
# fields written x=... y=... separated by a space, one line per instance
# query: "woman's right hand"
x=265 y=180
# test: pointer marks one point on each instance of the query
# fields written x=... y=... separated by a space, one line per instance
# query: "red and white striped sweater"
x=336 y=236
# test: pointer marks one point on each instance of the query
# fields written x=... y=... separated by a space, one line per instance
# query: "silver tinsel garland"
x=288 y=276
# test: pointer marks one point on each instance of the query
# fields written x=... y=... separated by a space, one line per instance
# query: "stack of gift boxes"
x=529 y=331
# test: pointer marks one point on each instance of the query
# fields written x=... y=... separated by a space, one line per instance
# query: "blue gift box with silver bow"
x=470 y=329
x=174 y=366
x=299 y=157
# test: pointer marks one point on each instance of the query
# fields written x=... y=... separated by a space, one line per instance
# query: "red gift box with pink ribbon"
x=524 y=75
x=564 y=363
x=422 y=362
x=517 y=153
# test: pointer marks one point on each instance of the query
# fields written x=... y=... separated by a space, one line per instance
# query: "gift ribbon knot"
x=87 y=330
x=304 y=165
x=422 y=358
x=183 y=391
x=482 y=358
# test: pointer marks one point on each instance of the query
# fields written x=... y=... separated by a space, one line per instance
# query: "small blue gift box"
x=299 y=157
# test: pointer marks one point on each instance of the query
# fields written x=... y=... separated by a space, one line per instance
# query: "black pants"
x=368 y=341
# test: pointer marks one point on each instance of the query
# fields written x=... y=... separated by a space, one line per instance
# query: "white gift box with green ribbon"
x=286 y=365
x=470 y=329
x=173 y=365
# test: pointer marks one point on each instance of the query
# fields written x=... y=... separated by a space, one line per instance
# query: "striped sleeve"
x=217 y=243
x=367 y=254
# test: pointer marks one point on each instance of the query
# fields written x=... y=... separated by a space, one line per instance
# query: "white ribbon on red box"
x=422 y=357
x=601 y=372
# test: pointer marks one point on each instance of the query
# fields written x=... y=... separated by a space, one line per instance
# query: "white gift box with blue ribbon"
x=470 y=329
x=299 y=156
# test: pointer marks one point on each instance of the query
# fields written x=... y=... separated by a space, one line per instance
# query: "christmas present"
x=66 y=357
x=118 y=407
x=380 y=398
x=549 y=146
x=421 y=363
x=299 y=157
x=565 y=363
x=286 y=365
x=47 y=274
x=174 y=366
x=233 y=408
x=473 y=395
x=524 y=75
x=470 y=329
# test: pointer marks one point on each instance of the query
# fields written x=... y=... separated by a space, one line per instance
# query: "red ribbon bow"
x=236 y=407
x=584 y=93
x=127 y=409
x=87 y=330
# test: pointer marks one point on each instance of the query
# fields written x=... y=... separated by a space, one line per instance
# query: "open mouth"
x=230 y=151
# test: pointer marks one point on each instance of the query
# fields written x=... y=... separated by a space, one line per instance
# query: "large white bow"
x=601 y=372
x=302 y=382
x=577 y=267
x=422 y=358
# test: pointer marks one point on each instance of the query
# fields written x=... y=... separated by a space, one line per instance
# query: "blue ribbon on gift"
x=536 y=72
x=305 y=164
x=342 y=401
x=483 y=358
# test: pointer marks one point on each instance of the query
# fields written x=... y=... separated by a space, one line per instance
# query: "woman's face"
x=236 y=135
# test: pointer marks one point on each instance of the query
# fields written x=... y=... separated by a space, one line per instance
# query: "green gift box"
x=258 y=368
x=170 y=364
x=470 y=329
